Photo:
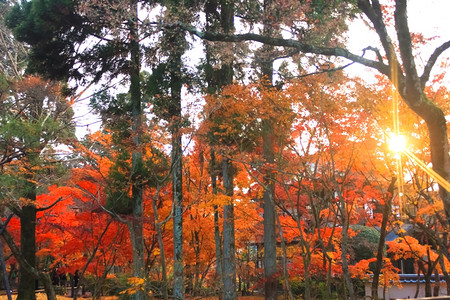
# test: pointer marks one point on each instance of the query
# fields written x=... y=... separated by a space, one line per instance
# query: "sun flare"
x=397 y=143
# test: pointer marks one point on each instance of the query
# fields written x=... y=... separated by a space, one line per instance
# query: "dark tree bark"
x=26 y=287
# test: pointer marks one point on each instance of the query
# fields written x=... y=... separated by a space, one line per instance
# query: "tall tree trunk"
x=178 y=284
x=136 y=226
x=177 y=167
x=229 y=249
x=225 y=266
x=270 y=240
x=211 y=11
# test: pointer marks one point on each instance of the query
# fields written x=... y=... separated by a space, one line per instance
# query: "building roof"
x=412 y=278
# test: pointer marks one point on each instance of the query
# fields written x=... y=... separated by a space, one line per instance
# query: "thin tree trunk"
x=383 y=231
x=344 y=219
x=91 y=257
x=211 y=9
x=5 y=274
x=162 y=253
x=344 y=246
x=284 y=262
x=217 y=236
x=437 y=283
x=229 y=262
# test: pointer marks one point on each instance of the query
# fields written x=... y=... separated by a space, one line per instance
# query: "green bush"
x=364 y=242
x=107 y=286
x=60 y=290
x=318 y=290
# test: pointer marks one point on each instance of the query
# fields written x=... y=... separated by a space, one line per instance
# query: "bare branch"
x=431 y=61
x=109 y=212
x=51 y=205
x=281 y=42
x=376 y=50
x=322 y=71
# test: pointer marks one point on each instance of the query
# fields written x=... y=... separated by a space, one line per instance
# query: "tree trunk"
x=217 y=236
x=344 y=243
x=26 y=287
x=161 y=247
x=226 y=266
x=270 y=240
x=285 y=259
x=136 y=226
x=211 y=8
x=177 y=168
x=229 y=262
x=383 y=231
x=48 y=286
x=178 y=285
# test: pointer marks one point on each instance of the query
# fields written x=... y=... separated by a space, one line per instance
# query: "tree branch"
x=109 y=212
x=405 y=44
x=281 y=42
x=374 y=12
x=431 y=61
x=374 y=49
x=51 y=205
x=17 y=254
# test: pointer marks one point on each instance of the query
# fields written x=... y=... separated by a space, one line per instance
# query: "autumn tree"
x=39 y=118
